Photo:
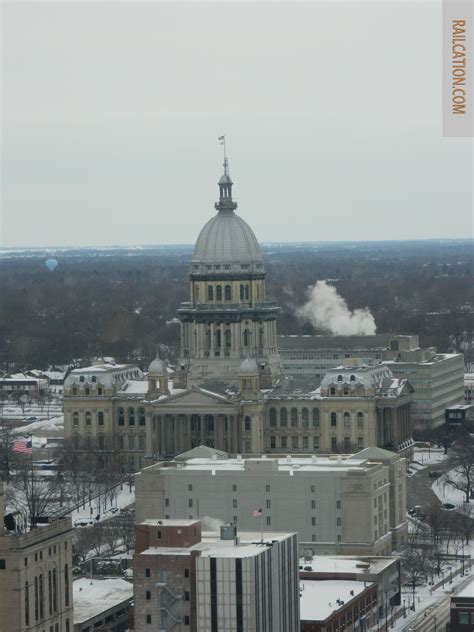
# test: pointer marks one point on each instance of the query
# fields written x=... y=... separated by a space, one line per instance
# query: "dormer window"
x=82 y=378
x=339 y=378
x=94 y=379
x=353 y=378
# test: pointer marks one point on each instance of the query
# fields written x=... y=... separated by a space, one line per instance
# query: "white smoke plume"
x=327 y=310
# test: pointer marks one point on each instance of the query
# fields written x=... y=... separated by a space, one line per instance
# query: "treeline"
x=122 y=303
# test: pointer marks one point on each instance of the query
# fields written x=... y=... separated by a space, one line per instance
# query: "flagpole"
x=261 y=525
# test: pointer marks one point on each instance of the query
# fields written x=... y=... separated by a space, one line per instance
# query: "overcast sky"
x=332 y=113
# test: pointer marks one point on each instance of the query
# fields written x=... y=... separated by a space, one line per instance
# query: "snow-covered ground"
x=429 y=456
x=447 y=493
x=124 y=498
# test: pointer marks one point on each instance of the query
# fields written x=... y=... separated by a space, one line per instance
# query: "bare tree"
x=33 y=497
x=82 y=544
x=465 y=522
x=461 y=465
x=112 y=533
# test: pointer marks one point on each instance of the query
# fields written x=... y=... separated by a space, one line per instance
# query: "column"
x=202 y=419
x=211 y=340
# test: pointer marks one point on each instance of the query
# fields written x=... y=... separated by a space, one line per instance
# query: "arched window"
x=273 y=417
x=283 y=417
x=94 y=379
x=210 y=293
x=248 y=423
x=41 y=597
x=339 y=378
x=141 y=416
x=82 y=378
x=36 y=599
x=333 y=420
x=74 y=391
x=121 y=416
x=294 y=417
x=228 y=293
x=360 y=420
x=218 y=338
x=219 y=293
x=227 y=337
x=131 y=416
x=242 y=295
x=347 y=420
x=305 y=417
x=315 y=417
x=55 y=591
x=100 y=418
x=353 y=378
x=75 y=418
x=88 y=419
x=246 y=338
x=247 y=293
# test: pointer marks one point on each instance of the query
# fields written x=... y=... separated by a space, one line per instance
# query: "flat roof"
x=347 y=564
x=249 y=545
x=318 y=597
x=160 y=522
x=293 y=464
x=93 y=597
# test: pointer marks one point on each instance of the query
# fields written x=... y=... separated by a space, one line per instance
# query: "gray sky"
x=332 y=113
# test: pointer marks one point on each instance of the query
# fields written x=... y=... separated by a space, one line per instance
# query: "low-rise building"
x=337 y=604
x=102 y=604
x=462 y=609
x=209 y=582
x=348 y=505
x=36 y=577
x=384 y=572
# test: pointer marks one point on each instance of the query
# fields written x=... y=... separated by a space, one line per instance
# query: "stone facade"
x=36 y=578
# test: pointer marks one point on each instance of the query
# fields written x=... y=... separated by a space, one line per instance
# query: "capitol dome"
x=226 y=238
x=227 y=243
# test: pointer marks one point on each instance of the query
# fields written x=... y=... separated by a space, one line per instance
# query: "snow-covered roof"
x=104 y=374
x=134 y=387
x=318 y=598
x=92 y=597
x=347 y=564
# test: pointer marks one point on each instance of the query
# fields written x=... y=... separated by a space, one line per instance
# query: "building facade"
x=339 y=505
x=214 y=584
x=228 y=390
x=436 y=378
x=36 y=578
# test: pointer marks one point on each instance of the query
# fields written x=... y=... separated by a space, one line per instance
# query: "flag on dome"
x=23 y=446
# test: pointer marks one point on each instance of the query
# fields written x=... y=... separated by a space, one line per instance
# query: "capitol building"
x=229 y=391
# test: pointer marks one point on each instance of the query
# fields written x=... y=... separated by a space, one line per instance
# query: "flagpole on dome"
x=221 y=139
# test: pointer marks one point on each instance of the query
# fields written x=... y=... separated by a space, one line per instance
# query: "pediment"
x=196 y=397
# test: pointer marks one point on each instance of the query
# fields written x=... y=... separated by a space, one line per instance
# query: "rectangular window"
x=186 y=619
x=305 y=443
x=148 y=618
x=339 y=522
x=268 y=504
x=315 y=443
x=158 y=535
x=294 y=442
x=333 y=444
x=190 y=488
x=186 y=595
x=338 y=504
x=313 y=504
x=463 y=617
x=2 y=564
x=186 y=572
x=313 y=522
x=148 y=595
x=272 y=443
x=190 y=502
x=313 y=488
x=269 y=521
x=234 y=488
x=267 y=488
x=284 y=443
x=234 y=503
x=167 y=502
x=147 y=572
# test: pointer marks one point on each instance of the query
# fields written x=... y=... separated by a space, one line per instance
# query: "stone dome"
x=226 y=238
x=157 y=366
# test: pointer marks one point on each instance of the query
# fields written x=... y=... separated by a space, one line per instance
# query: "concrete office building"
x=353 y=505
x=211 y=583
x=36 y=577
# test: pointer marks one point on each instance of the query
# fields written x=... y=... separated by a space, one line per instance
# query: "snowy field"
x=446 y=493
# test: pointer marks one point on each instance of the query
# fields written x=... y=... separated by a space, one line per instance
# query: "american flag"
x=257 y=513
x=23 y=446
